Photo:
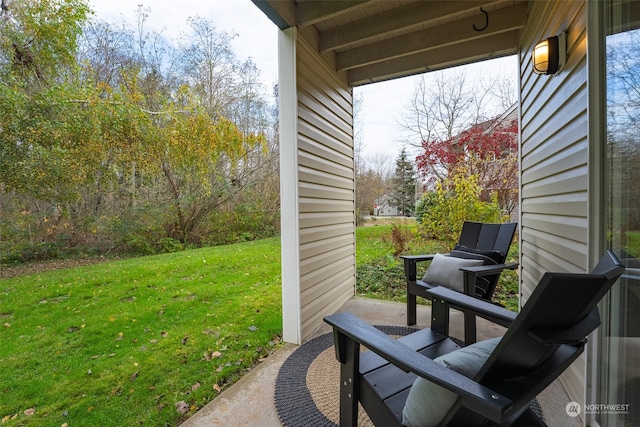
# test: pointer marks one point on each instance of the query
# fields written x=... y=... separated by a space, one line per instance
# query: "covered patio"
x=326 y=48
x=251 y=401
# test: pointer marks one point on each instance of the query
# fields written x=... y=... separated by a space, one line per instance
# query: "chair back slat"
x=505 y=237
x=470 y=233
x=487 y=236
x=561 y=301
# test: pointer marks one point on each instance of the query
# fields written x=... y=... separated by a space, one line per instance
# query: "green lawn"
x=121 y=343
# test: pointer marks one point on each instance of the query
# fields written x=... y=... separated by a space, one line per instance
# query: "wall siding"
x=325 y=189
x=554 y=158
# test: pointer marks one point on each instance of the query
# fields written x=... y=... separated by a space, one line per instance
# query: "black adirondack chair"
x=489 y=242
x=540 y=343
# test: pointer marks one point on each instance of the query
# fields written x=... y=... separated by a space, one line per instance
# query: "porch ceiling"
x=375 y=40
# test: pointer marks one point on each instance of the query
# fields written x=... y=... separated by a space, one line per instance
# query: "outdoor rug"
x=307 y=386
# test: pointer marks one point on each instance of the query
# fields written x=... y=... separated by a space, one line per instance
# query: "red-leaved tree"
x=489 y=150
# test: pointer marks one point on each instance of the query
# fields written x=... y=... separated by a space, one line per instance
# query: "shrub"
x=401 y=236
x=425 y=204
x=29 y=251
x=382 y=278
x=446 y=209
x=168 y=244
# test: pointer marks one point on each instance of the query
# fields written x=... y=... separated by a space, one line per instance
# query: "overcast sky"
x=257 y=38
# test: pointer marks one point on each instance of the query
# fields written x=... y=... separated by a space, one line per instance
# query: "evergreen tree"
x=403 y=184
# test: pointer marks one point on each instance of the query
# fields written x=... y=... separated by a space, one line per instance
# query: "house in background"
x=578 y=150
x=384 y=207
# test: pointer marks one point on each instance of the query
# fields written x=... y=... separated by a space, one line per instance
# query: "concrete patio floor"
x=250 y=401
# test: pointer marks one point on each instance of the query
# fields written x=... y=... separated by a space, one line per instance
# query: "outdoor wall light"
x=549 y=55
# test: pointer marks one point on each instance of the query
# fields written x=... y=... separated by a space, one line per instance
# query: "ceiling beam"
x=282 y=12
x=403 y=17
x=495 y=46
x=500 y=21
x=310 y=12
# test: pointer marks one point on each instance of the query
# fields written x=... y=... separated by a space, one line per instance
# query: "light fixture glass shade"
x=546 y=56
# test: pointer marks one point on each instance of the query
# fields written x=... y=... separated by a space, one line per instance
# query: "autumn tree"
x=38 y=40
x=371 y=185
x=228 y=92
x=107 y=141
x=449 y=121
x=488 y=150
x=443 y=211
x=371 y=171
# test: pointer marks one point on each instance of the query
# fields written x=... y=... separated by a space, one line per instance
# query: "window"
x=618 y=391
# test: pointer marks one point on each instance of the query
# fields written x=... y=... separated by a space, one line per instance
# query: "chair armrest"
x=410 y=264
x=483 y=400
x=478 y=307
x=487 y=270
x=471 y=275
x=418 y=258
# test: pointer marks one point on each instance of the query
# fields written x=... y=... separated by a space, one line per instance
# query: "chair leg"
x=469 y=328
x=349 y=380
x=411 y=308
x=410 y=268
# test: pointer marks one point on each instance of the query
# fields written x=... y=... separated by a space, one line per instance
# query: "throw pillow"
x=445 y=271
x=428 y=403
x=488 y=257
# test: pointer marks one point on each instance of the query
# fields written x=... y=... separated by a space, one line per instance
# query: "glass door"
x=618 y=394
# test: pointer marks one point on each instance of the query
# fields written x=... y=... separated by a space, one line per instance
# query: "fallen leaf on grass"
x=29 y=412
x=182 y=407
x=211 y=355
x=195 y=386
x=217 y=388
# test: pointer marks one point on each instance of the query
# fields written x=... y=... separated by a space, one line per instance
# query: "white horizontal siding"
x=325 y=189
x=555 y=158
